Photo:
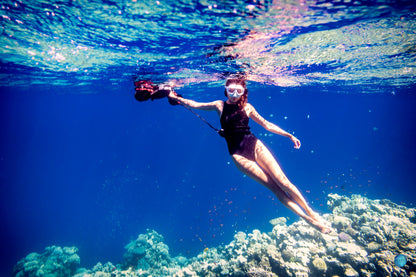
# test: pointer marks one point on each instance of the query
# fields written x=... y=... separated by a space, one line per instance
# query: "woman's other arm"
x=252 y=113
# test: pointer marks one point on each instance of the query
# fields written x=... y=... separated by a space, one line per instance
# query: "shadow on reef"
x=369 y=235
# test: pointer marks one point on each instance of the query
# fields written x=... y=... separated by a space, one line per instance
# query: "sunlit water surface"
x=285 y=43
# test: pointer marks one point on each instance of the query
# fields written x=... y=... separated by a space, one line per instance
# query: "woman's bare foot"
x=323 y=228
x=315 y=216
x=319 y=225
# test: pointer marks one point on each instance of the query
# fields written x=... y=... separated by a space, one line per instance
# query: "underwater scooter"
x=145 y=90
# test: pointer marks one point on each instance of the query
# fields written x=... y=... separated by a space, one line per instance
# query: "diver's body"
x=249 y=154
x=234 y=123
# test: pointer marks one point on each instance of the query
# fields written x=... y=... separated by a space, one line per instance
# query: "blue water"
x=82 y=163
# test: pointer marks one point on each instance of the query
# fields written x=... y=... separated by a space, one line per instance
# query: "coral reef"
x=55 y=261
x=368 y=235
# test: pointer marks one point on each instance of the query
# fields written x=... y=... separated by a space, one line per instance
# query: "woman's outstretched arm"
x=252 y=113
x=210 y=106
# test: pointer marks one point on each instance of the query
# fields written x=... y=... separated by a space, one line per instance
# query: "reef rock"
x=147 y=251
x=55 y=261
x=368 y=235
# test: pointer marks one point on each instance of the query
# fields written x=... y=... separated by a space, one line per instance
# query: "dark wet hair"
x=243 y=100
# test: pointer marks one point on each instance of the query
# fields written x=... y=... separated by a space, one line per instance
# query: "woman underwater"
x=249 y=154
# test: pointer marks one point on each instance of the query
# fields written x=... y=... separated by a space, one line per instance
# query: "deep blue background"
x=95 y=170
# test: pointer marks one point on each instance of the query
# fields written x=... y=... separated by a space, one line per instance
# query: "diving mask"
x=234 y=90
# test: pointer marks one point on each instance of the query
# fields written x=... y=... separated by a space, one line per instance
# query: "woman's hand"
x=295 y=141
x=172 y=94
x=173 y=98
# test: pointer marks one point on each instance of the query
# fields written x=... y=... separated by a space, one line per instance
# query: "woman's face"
x=234 y=92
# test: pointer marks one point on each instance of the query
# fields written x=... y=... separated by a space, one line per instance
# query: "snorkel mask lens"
x=234 y=90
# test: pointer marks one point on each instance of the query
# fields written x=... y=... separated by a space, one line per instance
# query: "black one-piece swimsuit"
x=240 y=140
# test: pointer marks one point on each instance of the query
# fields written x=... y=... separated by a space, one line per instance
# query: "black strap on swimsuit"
x=219 y=131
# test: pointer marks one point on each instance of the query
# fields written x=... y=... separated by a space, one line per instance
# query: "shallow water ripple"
x=279 y=43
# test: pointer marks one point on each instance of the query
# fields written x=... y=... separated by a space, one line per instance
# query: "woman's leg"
x=266 y=160
x=253 y=170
